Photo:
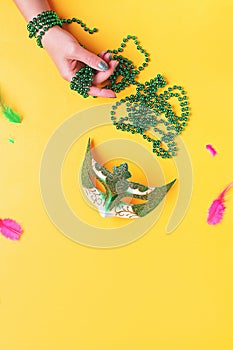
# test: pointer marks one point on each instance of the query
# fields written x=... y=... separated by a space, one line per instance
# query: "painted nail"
x=102 y=65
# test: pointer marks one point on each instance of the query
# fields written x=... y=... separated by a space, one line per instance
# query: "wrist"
x=51 y=35
x=46 y=20
x=42 y=23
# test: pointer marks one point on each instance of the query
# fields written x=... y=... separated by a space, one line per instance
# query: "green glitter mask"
x=117 y=187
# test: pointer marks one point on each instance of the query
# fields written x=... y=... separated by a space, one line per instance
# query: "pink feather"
x=211 y=149
x=217 y=208
x=10 y=229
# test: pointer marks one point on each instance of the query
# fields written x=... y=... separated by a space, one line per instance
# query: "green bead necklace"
x=147 y=110
x=126 y=69
x=82 y=81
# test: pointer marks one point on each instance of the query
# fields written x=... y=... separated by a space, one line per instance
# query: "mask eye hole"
x=131 y=200
x=98 y=184
x=138 y=201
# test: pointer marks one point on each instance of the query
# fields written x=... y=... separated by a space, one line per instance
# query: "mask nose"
x=105 y=214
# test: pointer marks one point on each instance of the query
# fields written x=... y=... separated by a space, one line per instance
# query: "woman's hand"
x=69 y=56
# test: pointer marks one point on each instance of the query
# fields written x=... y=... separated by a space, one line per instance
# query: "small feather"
x=10 y=229
x=211 y=149
x=11 y=115
x=217 y=208
x=11 y=140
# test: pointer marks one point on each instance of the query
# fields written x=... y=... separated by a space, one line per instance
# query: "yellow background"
x=163 y=291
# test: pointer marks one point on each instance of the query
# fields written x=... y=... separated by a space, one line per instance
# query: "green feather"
x=11 y=140
x=11 y=115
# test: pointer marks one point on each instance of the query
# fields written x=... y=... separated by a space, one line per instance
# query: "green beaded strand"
x=82 y=81
x=125 y=69
x=144 y=110
x=40 y=24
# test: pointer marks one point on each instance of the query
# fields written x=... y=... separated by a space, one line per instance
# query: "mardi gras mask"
x=115 y=201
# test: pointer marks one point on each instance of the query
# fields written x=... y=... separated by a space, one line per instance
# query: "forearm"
x=31 y=8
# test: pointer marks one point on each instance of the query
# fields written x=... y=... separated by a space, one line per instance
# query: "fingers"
x=69 y=69
x=102 y=53
x=107 y=56
x=100 y=77
x=89 y=58
x=95 y=91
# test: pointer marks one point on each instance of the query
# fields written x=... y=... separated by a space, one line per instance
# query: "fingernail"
x=102 y=65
